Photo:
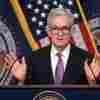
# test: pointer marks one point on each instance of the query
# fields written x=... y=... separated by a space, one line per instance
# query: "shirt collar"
x=54 y=50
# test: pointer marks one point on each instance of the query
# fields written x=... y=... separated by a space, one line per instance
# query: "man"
x=59 y=63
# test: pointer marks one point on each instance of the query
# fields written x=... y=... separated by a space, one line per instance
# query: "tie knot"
x=59 y=55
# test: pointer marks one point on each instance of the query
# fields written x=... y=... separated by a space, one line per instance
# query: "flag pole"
x=23 y=23
x=86 y=25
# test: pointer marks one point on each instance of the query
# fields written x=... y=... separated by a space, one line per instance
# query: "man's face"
x=60 y=31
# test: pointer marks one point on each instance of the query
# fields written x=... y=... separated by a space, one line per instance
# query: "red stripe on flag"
x=86 y=38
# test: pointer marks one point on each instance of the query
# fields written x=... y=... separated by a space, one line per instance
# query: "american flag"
x=36 y=13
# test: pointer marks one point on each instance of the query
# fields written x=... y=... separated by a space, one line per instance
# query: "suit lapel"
x=47 y=65
x=68 y=74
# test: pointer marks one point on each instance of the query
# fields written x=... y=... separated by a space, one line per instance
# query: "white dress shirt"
x=54 y=58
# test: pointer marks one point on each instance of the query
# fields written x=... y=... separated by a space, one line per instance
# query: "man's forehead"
x=61 y=16
x=60 y=11
x=64 y=19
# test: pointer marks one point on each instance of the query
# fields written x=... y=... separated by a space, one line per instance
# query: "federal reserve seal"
x=7 y=44
x=49 y=95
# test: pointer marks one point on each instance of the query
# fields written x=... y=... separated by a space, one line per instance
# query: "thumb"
x=88 y=71
x=86 y=63
x=23 y=60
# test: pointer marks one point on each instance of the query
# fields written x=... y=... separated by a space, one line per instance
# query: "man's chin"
x=61 y=46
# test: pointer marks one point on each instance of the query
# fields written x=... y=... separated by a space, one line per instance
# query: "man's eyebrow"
x=61 y=26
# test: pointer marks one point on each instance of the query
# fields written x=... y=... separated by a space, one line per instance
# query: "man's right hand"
x=92 y=70
x=19 y=67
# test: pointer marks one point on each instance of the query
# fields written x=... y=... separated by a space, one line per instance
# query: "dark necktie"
x=59 y=70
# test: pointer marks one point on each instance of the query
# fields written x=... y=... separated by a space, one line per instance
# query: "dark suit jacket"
x=40 y=67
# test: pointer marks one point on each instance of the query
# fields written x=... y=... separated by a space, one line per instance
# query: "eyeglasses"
x=64 y=30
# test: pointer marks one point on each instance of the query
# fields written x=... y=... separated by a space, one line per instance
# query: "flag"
x=85 y=27
x=11 y=39
x=7 y=37
x=35 y=13
x=93 y=12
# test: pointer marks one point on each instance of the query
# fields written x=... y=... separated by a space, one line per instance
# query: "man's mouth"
x=59 y=38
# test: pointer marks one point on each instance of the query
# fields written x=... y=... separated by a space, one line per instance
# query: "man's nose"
x=60 y=33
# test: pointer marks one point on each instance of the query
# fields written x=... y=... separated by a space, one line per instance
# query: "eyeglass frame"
x=65 y=30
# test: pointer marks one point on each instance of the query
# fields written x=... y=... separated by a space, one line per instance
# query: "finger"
x=9 y=58
x=93 y=65
x=23 y=64
x=13 y=55
x=20 y=69
x=23 y=60
x=6 y=60
x=98 y=59
x=97 y=54
x=94 y=60
x=86 y=62
x=88 y=71
x=86 y=66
